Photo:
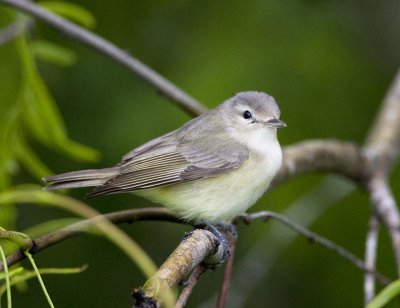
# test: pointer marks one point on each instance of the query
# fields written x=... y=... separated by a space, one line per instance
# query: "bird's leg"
x=220 y=231
x=227 y=228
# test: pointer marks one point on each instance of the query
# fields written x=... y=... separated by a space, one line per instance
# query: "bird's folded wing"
x=166 y=161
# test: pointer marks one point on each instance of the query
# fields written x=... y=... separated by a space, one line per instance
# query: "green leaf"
x=21 y=275
x=29 y=159
x=41 y=113
x=53 y=53
x=12 y=272
x=40 y=109
x=71 y=11
x=387 y=294
x=9 y=124
x=77 y=150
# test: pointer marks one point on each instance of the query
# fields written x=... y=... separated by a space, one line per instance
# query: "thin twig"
x=371 y=248
x=126 y=216
x=315 y=238
x=384 y=205
x=189 y=285
x=226 y=280
x=110 y=50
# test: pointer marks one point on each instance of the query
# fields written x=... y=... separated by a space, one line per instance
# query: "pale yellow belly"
x=219 y=199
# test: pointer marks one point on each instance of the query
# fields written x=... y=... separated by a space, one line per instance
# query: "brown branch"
x=126 y=216
x=336 y=156
x=99 y=44
x=197 y=246
x=189 y=285
x=371 y=248
x=226 y=280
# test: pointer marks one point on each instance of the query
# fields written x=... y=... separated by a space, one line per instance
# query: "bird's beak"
x=276 y=123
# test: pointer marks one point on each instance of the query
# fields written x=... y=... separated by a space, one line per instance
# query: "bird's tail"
x=83 y=178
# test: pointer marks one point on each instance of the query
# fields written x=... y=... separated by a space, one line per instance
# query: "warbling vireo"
x=210 y=170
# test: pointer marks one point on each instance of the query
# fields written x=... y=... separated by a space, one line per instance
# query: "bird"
x=208 y=171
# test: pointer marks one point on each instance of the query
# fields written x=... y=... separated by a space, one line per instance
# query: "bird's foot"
x=221 y=231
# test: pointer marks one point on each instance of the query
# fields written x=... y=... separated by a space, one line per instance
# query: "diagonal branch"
x=83 y=226
x=81 y=35
x=314 y=238
x=226 y=280
x=196 y=247
x=189 y=285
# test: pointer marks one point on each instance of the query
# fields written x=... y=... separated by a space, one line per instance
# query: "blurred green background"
x=327 y=63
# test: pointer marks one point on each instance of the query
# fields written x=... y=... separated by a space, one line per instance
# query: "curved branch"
x=161 y=84
x=336 y=156
x=126 y=216
x=196 y=247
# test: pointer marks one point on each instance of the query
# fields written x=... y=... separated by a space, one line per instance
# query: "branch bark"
x=189 y=285
x=335 y=156
x=197 y=246
x=226 y=280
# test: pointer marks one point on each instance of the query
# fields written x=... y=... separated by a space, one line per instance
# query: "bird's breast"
x=218 y=199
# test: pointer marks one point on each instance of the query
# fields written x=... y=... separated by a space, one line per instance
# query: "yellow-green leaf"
x=53 y=53
x=71 y=11
x=386 y=295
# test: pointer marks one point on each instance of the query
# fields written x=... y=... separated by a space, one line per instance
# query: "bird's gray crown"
x=257 y=102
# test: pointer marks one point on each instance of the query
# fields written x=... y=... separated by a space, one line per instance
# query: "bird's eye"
x=247 y=114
